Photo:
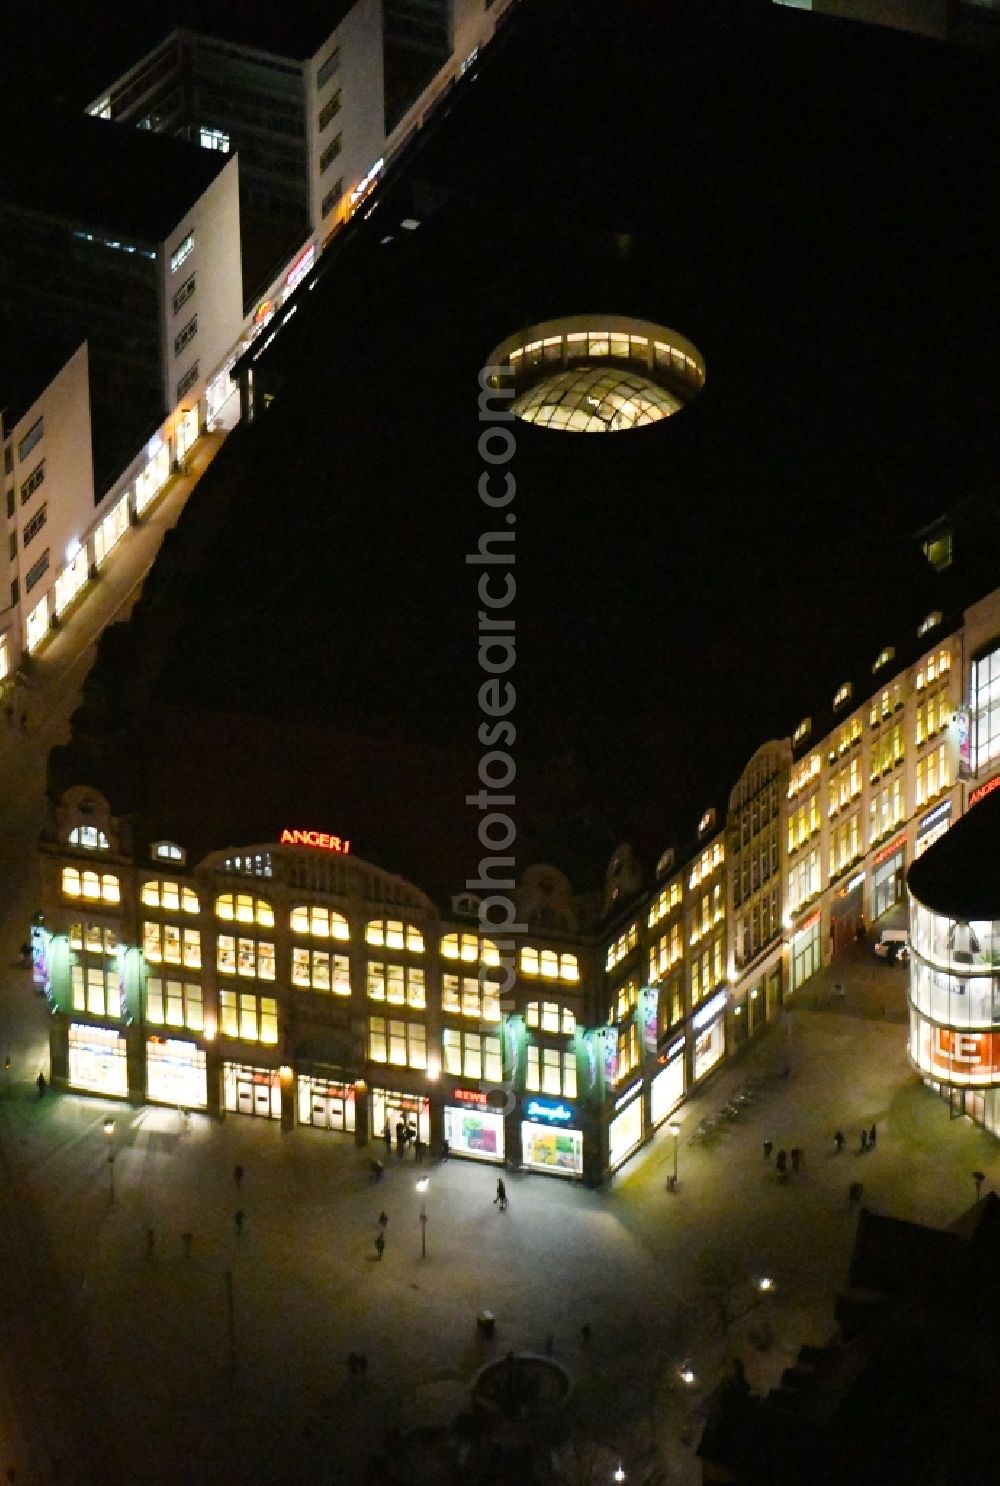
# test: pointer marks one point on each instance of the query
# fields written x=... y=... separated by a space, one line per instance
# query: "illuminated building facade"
x=294 y=981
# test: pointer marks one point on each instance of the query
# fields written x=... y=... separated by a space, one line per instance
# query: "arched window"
x=96 y=887
x=244 y=909
x=469 y=947
x=321 y=923
x=549 y=963
x=394 y=934
x=90 y=837
x=171 y=896
x=549 y=1016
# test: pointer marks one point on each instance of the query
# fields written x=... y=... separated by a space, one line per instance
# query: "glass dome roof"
x=595 y=399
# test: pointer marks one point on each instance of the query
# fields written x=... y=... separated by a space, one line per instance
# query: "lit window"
x=402 y=1043
x=842 y=695
x=182 y=252
x=318 y=970
x=244 y=909
x=550 y=1017
x=168 y=851
x=213 y=139
x=248 y=957
x=394 y=934
x=174 y=1003
x=471 y=1055
x=551 y=1071
x=469 y=947
x=247 y=1016
x=88 y=836
x=169 y=895
x=465 y=996
x=321 y=923
x=400 y=985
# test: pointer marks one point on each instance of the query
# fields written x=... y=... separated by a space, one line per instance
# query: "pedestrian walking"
x=585 y=1333
x=979 y=1177
x=796 y=1158
x=238 y=1217
x=383 y=1220
x=500 y=1200
x=377 y=1170
x=768 y=1148
x=187 y=1239
x=40 y=1085
x=782 y=1162
x=400 y=1138
x=25 y=954
x=387 y=1137
x=238 y=1175
x=864 y=1142
x=871 y=1138
x=838 y=1140
x=380 y=1246
x=445 y=1150
x=418 y=1149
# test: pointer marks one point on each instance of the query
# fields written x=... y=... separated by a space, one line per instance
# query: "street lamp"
x=619 y=1474
x=765 y=1284
x=675 y=1131
x=687 y=1374
x=422 y=1186
x=109 y=1130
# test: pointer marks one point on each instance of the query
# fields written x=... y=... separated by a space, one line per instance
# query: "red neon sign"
x=315 y=838
x=984 y=790
x=469 y=1096
x=891 y=849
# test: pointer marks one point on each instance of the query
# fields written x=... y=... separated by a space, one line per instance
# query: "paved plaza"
x=228 y=1362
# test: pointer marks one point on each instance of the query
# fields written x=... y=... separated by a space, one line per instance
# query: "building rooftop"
x=28 y=363
x=93 y=172
x=682 y=589
x=958 y=875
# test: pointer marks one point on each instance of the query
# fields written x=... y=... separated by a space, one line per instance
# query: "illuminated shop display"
x=175 y=1073
x=626 y=1127
x=154 y=475
x=97 y=1060
x=251 y=1091
x=710 y=1035
x=552 y=1148
x=472 y=1129
x=389 y=1106
x=325 y=1104
x=666 y=1089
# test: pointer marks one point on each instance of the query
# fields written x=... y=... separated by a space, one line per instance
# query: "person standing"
x=838 y=1141
x=383 y=1220
x=387 y=1136
x=864 y=1142
x=40 y=1085
x=500 y=1199
x=768 y=1148
x=238 y=1175
x=238 y=1217
x=380 y=1246
x=782 y=1163
x=871 y=1137
x=796 y=1158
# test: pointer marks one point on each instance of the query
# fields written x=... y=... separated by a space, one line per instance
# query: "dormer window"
x=843 y=695
x=89 y=837
x=884 y=657
x=168 y=851
x=707 y=821
x=803 y=730
x=931 y=622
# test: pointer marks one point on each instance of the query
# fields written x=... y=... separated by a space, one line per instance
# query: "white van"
x=892 y=945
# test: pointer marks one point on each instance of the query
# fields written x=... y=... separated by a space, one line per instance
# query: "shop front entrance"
x=326 y=1104
x=252 y=1091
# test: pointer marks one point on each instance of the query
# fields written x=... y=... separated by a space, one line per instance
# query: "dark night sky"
x=811 y=204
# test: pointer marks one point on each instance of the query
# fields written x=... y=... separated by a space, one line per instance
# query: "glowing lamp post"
x=619 y=1474
x=675 y=1131
x=109 y=1130
x=422 y=1186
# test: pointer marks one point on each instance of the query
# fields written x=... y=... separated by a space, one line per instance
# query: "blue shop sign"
x=547 y=1109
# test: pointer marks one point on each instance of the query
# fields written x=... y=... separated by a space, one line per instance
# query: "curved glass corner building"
x=955 y=964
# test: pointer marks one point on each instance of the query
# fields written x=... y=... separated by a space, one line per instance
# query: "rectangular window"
x=187 y=381
x=400 y=985
x=184 y=293
x=31 y=484
x=330 y=110
x=330 y=153
x=213 y=139
x=186 y=336
x=29 y=441
x=182 y=252
x=34 y=573
x=328 y=67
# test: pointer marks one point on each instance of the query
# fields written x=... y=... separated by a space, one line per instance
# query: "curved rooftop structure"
x=958 y=876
